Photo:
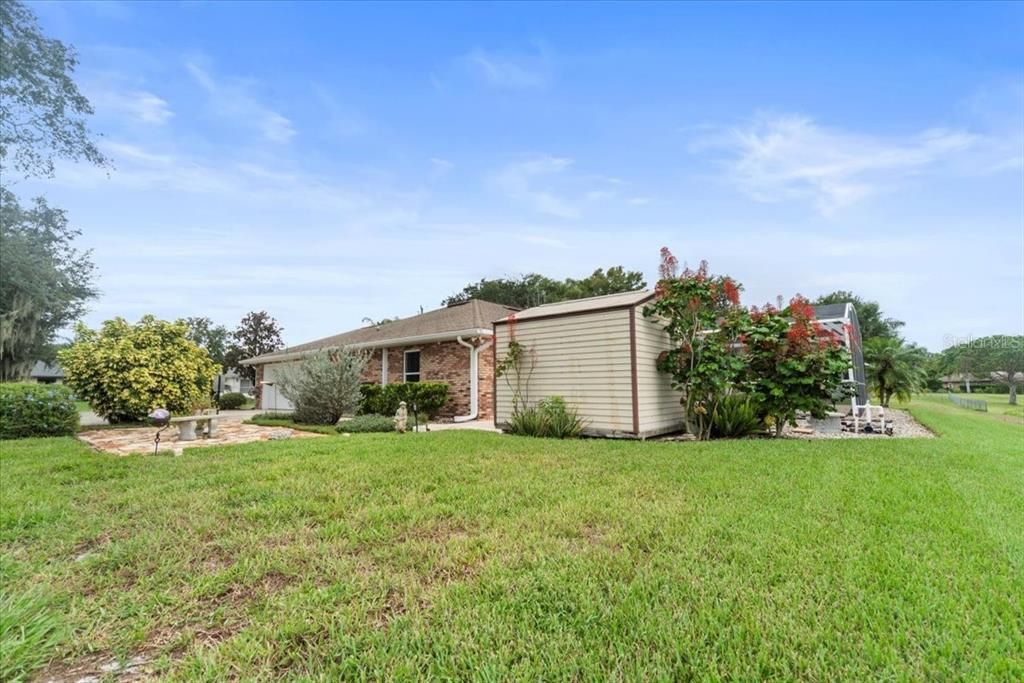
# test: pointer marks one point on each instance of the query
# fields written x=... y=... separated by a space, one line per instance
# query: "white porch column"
x=383 y=366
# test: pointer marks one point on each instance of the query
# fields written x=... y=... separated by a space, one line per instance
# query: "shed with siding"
x=599 y=355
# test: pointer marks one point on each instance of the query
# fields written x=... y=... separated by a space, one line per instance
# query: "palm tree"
x=894 y=368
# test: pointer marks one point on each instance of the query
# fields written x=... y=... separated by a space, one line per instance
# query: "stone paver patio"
x=140 y=439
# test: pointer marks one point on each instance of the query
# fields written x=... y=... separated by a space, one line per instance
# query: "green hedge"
x=367 y=423
x=231 y=400
x=428 y=397
x=36 y=410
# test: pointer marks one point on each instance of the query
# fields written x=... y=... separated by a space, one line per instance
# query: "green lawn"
x=459 y=555
x=997 y=403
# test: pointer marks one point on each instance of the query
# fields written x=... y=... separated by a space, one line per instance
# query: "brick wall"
x=443 y=362
x=439 y=362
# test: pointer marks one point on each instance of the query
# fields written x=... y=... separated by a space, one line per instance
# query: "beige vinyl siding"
x=658 y=402
x=583 y=358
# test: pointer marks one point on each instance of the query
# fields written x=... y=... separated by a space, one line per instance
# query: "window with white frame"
x=411 y=370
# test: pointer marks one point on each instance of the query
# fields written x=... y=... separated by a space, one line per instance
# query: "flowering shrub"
x=704 y=321
x=783 y=360
x=793 y=363
x=36 y=410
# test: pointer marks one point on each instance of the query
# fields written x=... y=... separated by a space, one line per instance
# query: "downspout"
x=474 y=380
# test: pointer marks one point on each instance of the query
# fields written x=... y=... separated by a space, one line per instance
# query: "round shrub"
x=36 y=410
x=324 y=387
x=231 y=400
x=124 y=370
x=367 y=423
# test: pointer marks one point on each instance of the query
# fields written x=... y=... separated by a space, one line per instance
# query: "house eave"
x=378 y=344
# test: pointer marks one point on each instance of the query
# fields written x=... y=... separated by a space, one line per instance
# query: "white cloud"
x=792 y=157
x=440 y=167
x=232 y=100
x=139 y=105
x=515 y=73
x=518 y=181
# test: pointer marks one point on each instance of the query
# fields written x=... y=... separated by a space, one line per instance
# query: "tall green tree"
x=894 y=368
x=256 y=334
x=42 y=113
x=210 y=336
x=534 y=289
x=873 y=323
x=45 y=282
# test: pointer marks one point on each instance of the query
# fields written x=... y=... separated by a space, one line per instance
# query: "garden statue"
x=401 y=417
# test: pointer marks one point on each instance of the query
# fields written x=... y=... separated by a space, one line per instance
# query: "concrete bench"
x=187 y=425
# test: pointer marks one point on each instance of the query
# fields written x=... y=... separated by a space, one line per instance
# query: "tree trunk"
x=1013 y=394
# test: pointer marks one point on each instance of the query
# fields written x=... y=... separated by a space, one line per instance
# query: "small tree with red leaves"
x=704 y=321
x=793 y=363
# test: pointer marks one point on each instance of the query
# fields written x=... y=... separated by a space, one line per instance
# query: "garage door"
x=272 y=399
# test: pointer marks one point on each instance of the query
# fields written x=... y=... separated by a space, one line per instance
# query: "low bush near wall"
x=550 y=418
x=36 y=410
x=367 y=423
x=231 y=401
x=736 y=417
x=428 y=397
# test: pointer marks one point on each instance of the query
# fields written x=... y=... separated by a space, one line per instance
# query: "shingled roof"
x=472 y=317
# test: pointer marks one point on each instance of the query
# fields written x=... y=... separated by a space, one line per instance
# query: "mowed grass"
x=997 y=403
x=461 y=555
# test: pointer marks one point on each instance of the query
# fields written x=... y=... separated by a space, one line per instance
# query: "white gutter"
x=385 y=343
x=474 y=379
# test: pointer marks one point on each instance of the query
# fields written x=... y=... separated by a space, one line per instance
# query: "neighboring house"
x=450 y=345
x=967 y=380
x=46 y=373
x=232 y=382
x=600 y=355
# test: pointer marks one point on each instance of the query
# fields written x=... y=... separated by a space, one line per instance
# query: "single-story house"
x=600 y=355
x=46 y=373
x=450 y=344
x=232 y=382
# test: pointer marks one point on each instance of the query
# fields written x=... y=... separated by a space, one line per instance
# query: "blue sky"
x=331 y=162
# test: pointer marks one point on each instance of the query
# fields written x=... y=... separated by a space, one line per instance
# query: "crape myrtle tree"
x=44 y=280
x=793 y=364
x=702 y=315
x=256 y=334
x=784 y=360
